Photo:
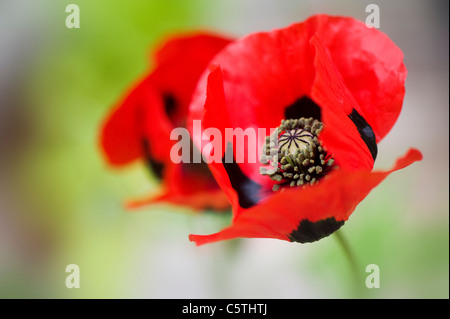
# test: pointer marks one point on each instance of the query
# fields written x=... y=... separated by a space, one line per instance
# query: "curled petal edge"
x=337 y=196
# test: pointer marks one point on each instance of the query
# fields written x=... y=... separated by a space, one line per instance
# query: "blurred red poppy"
x=339 y=88
x=139 y=127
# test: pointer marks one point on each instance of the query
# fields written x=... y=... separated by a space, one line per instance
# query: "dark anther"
x=299 y=159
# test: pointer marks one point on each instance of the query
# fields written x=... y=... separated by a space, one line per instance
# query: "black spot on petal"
x=303 y=107
x=308 y=232
x=248 y=190
x=170 y=104
x=365 y=131
x=155 y=166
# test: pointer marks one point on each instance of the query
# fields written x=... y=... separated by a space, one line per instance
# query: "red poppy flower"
x=139 y=127
x=339 y=86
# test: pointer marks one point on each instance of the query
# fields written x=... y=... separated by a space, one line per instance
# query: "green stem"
x=350 y=258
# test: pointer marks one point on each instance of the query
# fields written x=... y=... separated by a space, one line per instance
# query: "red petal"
x=142 y=114
x=214 y=200
x=179 y=64
x=259 y=81
x=260 y=76
x=140 y=127
x=121 y=134
x=183 y=185
x=340 y=135
x=336 y=196
x=265 y=73
x=216 y=116
x=371 y=66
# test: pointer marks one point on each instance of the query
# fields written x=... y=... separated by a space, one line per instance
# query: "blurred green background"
x=60 y=204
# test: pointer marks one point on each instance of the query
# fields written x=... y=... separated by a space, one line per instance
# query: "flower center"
x=295 y=154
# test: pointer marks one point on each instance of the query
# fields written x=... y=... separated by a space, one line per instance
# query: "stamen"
x=300 y=158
